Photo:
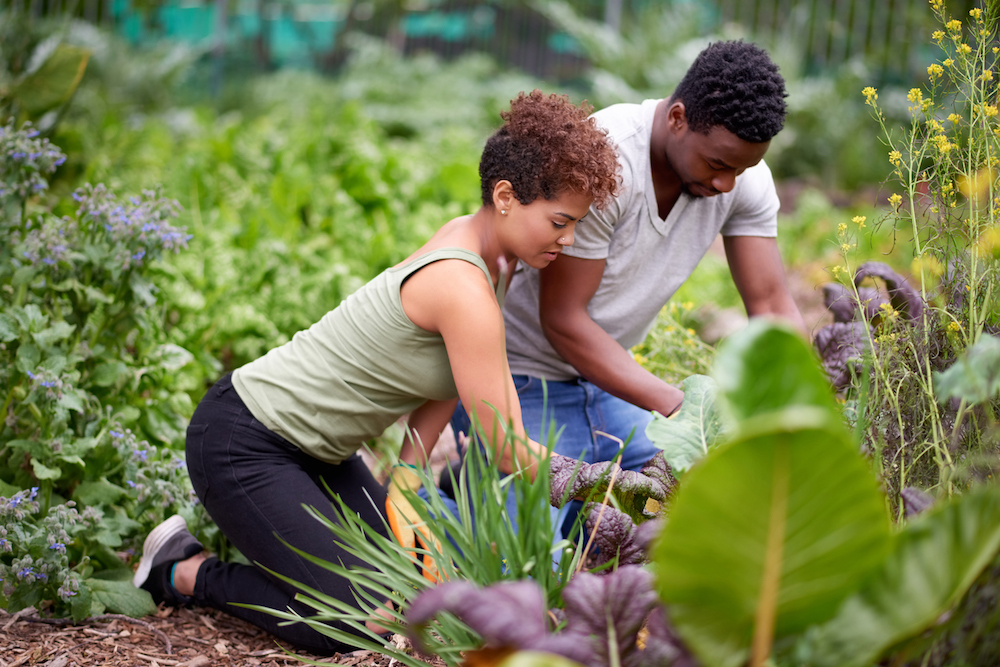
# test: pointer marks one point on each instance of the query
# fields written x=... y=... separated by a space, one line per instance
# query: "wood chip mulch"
x=171 y=638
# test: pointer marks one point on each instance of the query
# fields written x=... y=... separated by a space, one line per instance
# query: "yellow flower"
x=691 y=332
x=837 y=270
x=671 y=329
x=987 y=75
x=888 y=310
x=927 y=264
x=895 y=157
x=976 y=13
x=687 y=305
x=639 y=359
x=988 y=244
x=937 y=4
x=915 y=95
x=954 y=326
x=870 y=95
x=934 y=71
x=954 y=25
x=941 y=143
x=996 y=50
x=954 y=118
x=846 y=247
x=937 y=35
x=841 y=228
x=949 y=62
x=895 y=200
x=989 y=110
x=935 y=125
x=964 y=48
x=859 y=220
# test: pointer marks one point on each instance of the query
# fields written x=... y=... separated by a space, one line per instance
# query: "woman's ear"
x=503 y=196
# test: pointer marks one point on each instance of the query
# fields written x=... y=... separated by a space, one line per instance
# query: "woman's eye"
x=559 y=225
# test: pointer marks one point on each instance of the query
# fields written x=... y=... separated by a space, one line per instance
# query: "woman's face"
x=537 y=232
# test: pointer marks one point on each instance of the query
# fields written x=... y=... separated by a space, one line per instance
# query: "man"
x=692 y=168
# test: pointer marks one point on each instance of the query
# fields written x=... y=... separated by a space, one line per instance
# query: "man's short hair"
x=734 y=84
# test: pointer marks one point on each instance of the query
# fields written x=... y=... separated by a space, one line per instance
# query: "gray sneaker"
x=165 y=545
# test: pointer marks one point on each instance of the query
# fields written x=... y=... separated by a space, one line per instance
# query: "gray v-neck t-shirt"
x=648 y=258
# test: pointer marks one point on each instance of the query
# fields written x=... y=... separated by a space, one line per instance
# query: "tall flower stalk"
x=944 y=169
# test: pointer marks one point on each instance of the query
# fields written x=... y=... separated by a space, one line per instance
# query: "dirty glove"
x=408 y=528
x=569 y=479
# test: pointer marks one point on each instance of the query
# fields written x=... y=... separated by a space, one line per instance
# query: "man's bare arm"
x=759 y=274
x=567 y=286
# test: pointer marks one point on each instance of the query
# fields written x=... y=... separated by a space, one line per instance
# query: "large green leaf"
x=768 y=366
x=769 y=534
x=687 y=436
x=975 y=376
x=936 y=558
x=121 y=597
x=54 y=82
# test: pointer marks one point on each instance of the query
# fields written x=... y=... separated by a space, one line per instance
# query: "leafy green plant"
x=779 y=544
x=86 y=376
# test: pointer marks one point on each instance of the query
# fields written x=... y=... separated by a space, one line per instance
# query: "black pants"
x=254 y=484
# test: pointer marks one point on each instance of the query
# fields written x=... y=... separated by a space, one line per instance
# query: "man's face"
x=707 y=164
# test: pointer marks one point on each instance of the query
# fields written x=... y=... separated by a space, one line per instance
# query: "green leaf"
x=687 y=436
x=768 y=366
x=975 y=376
x=771 y=530
x=61 y=330
x=82 y=604
x=8 y=328
x=72 y=400
x=936 y=559
x=144 y=290
x=28 y=356
x=23 y=276
x=172 y=357
x=30 y=317
x=43 y=471
x=98 y=492
x=121 y=597
x=109 y=373
x=54 y=82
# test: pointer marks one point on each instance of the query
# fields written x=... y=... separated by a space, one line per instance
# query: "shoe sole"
x=156 y=539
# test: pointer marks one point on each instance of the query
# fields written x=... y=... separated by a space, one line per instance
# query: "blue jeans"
x=581 y=413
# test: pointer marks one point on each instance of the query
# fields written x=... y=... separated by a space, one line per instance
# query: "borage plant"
x=88 y=384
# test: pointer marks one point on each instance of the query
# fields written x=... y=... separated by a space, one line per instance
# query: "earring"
x=503 y=211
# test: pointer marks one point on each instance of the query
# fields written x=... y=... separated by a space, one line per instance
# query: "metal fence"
x=274 y=33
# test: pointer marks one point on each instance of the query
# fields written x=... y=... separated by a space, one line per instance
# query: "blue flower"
x=56 y=546
x=142 y=454
x=34 y=492
x=130 y=483
x=26 y=572
x=116 y=435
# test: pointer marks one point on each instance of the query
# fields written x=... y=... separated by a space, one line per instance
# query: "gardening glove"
x=569 y=479
x=406 y=525
x=659 y=470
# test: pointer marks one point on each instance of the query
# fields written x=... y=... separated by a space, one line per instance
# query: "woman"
x=412 y=341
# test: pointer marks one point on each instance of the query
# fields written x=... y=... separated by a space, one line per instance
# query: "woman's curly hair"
x=736 y=85
x=548 y=146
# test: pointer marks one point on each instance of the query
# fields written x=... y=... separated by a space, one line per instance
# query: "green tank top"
x=346 y=378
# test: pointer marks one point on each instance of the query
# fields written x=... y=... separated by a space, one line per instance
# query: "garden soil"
x=207 y=637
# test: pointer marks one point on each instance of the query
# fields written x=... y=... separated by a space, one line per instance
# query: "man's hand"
x=407 y=526
x=569 y=479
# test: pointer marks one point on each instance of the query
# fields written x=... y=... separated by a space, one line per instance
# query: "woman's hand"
x=569 y=479
x=409 y=529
